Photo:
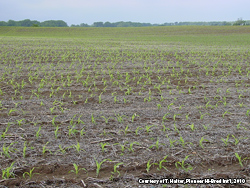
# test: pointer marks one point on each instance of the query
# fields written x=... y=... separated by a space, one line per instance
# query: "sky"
x=147 y=11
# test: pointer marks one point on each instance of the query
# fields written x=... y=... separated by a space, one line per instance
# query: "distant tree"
x=240 y=21
x=84 y=25
x=11 y=23
x=54 y=23
x=123 y=24
x=25 y=23
x=108 y=24
x=2 y=23
x=35 y=25
x=98 y=24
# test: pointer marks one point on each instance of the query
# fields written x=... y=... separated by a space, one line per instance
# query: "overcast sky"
x=150 y=11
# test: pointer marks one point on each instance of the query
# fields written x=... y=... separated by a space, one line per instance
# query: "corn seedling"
x=156 y=145
x=8 y=172
x=130 y=148
x=11 y=110
x=45 y=149
x=225 y=141
x=125 y=100
x=24 y=149
x=115 y=169
x=171 y=142
x=183 y=143
x=170 y=105
x=93 y=119
x=185 y=166
x=106 y=119
x=133 y=117
x=201 y=141
x=38 y=132
x=236 y=141
x=100 y=98
x=103 y=146
x=122 y=146
x=63 y=150
x=159 y=106
x=78 y=147
x=240 y=159
x=56 y=132
x=149 y=165
x=148 y=127
x=20 y=122
x=77 y=169
x=160 y=166
x=6 y=150
x=30 y=173
x=202 y=115
x=191 y=126
x=99 y=164
x=119 y=118
x=5 y=132
x=82 y=132
x=226 y=112
x=138 y=129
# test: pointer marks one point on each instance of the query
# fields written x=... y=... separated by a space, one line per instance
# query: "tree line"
x=61 y=23
x=35 y=23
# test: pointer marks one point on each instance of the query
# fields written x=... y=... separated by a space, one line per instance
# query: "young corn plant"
x=99 y=164
x=38 y=132
x=225 y=141
x=24 y=149
x=30 y=173
x=103 y=146
x=115 y=169
x=93 y=119
x=201 y=141
x=202 y=115
x=240 y=159
x=164 y=118
x=125 y=131
x=183 y=143
x=56 y=132
x=191 y=126
x=171 y=142
x=130 y=148
x=7 y=150
x=63 y=150
x=137 y=130
x=148 y=127
x=4 y=134
x=160 y=165
x=77 y=170
x=77 y=146
x=226 y=112
x=122 y=147
x=120 y=118
x=236 y=140
x=134 y=116
x=45 y=149
x=149 y=165
x=184 y=166
x=8 y=173
x=106 y=119
x=156 y=145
